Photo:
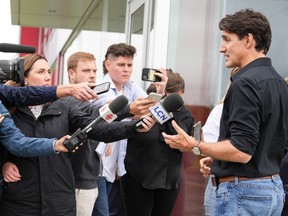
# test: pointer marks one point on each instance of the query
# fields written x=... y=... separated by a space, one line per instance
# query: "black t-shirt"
x=255 y=120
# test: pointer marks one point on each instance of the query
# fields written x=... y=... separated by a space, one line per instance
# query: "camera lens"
x=12 y=70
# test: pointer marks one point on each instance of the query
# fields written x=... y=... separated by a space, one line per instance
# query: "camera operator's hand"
x=81 y=91
x=160 y=86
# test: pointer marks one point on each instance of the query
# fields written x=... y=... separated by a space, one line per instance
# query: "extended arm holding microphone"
x=162 y=111
x=107 y=114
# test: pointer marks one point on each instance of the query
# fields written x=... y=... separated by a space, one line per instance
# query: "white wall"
x=8 y=33
x=95 y=43
x=193 y=47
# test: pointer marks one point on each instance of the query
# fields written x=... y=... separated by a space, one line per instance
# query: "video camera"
x=13 y=69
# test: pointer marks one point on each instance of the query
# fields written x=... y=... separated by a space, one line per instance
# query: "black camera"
x=12 y=70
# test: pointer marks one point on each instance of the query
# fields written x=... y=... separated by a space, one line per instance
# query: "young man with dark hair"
x=117 y=69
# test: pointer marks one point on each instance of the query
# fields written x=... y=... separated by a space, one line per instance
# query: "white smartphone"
x=155 y=96
x=197 y=131
x=102 y=88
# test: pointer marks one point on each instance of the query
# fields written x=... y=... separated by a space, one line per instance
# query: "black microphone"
x=15 y=48
x=161 y=111
x=107 y=114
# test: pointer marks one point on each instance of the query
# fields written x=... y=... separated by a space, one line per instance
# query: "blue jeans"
x=250 y=197
x=209 y=198
x=101 y=207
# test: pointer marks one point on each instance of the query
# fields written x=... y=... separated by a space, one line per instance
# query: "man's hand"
x=81 y=91
x=140 y=106
x=10 y=172
x=205 y=166
x=59 y=147
x=1 y=118
x=148 y=123
x=181 y=141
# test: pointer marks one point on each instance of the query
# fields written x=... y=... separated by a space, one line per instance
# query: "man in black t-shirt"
x=254 y=123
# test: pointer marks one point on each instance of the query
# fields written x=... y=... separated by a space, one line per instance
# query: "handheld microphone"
x=107 y=114
x=162 y=111
x=6 y=47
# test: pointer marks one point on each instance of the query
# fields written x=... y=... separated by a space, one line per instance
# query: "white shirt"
x=117 y=156
x=212 y=125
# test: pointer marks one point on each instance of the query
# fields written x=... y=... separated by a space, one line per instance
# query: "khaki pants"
x=85 y=200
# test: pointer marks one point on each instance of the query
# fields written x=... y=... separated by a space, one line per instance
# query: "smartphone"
x=155 y=96
x=102 y=88
x=5 y=114
x=197 y=131
x=148 y=74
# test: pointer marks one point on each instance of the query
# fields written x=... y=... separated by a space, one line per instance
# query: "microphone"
x=107 y=114
x=6 y=47
x=162 y=111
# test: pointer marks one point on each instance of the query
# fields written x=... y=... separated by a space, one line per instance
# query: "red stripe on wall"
x=29 y=37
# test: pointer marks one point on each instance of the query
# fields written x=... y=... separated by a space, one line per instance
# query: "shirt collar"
x=263 y=61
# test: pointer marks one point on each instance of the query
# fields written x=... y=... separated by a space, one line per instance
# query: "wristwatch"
x=196 y=150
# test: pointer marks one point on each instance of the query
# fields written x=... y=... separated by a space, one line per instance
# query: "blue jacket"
x=25 y=96
x=16 y=143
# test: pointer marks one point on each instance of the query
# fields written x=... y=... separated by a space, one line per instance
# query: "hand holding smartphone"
x=101 y=88
x=156 y=97
x=148 y=74
x=197 y=131
x=4 y=115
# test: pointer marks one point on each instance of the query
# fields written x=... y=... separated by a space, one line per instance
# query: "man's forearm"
x=63 y=90
x=25 y=96
x=125 y=113
x=80 y=91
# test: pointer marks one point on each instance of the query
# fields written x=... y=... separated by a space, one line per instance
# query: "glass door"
x=136 y=35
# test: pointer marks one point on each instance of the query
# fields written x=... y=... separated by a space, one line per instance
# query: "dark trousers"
x=284 y=178
x=145 y=202
x=116 y=203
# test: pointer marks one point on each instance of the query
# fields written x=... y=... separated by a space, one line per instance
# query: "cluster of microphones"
x=162 y=112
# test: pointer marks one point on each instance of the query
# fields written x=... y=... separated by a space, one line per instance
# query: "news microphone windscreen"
x=172 y=102
x=15 y=48
x=118 y=104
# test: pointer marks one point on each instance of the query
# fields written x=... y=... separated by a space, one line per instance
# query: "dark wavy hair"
x=248 y=21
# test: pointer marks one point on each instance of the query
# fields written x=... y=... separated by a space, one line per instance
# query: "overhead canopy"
x=107 y=15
